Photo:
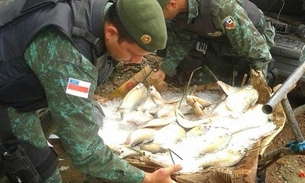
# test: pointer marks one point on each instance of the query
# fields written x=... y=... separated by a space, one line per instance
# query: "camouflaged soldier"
x=48 y=52
x=227 y=36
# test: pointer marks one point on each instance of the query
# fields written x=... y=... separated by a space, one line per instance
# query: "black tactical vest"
x=20 y=21
x=202 y=24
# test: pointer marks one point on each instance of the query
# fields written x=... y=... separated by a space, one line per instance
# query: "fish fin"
x=228 y=89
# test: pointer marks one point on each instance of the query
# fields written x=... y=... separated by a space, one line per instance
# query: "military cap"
x=163 y=3
x=144 y=22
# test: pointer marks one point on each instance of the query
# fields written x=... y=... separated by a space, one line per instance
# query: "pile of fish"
x=197 y=129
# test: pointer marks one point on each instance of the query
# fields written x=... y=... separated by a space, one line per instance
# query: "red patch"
x=229 y=23
x=130 y=85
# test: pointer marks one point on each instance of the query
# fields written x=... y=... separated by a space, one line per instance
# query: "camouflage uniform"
x=62 y=52
x=54 y=59
x=243 y=44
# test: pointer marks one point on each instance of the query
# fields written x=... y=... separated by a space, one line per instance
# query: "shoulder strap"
x=80 y=29
x=80 y=23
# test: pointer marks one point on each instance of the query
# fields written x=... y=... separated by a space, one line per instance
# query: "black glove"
x=272 y=73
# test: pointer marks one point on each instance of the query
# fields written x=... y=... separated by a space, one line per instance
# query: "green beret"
x=163 y=3
x=144 y=21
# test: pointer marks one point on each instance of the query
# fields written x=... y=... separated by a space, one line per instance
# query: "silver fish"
x=124 y=151
x=191 y=99
x=227 y=89
x=214 y=140
x=189 y=124
x=153 y=92
x=239 y=98
x=218 y=138
x=166 y=110
x=225 y=158
x=148 y=105
x=169 y=134
x=134 y=97
x=141 y=135
x=197 y=131
x=221 y=109
x=159 y=122
x=137 y=117
x=198 y=109
x=157 y=97
x=242 y=99
x=152 y=147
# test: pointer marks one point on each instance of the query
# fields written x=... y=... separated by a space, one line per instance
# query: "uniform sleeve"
x=232 y=19
x=54 y=60
x=178 y=45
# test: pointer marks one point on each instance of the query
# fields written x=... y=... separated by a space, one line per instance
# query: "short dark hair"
x=112 y=16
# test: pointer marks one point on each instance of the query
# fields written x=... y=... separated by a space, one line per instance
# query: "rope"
x=296 y=146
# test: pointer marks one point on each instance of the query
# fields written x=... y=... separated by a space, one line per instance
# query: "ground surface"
x=285 y=170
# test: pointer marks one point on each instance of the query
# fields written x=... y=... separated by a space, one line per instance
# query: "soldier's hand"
x=261 y=74
x=157 y=79
x=162 y=175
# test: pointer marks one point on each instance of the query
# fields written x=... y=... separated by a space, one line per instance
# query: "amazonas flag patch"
x=229 y=22
x=78 y=88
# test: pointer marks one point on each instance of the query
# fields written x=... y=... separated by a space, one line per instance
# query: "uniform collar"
x=193 y=10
